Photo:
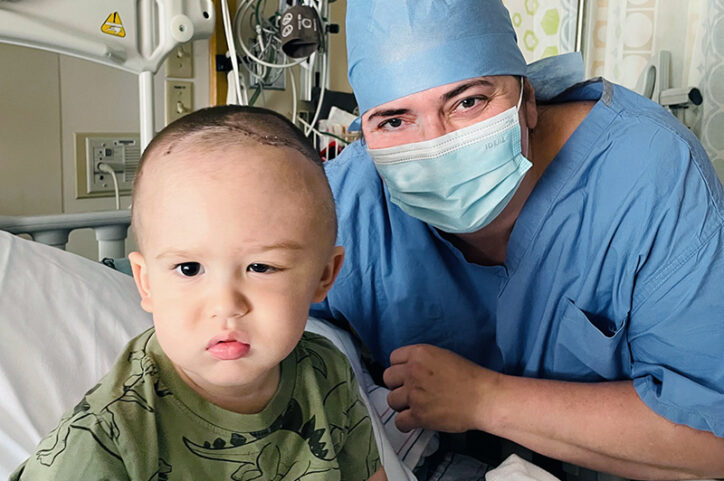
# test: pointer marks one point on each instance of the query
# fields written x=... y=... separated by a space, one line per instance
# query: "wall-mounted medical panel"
x=120 y=152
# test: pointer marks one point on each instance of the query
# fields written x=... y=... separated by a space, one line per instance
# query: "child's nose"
x=228 y=302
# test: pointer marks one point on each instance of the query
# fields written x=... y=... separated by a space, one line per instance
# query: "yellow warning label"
x=113 y=25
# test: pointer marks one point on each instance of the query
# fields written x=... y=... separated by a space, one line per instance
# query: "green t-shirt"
x=142 y=422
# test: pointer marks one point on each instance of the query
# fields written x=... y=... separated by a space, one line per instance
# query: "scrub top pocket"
x=587 y=349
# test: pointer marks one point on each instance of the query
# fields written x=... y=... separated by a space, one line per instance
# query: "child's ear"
x=140 y=275
x=331 y=270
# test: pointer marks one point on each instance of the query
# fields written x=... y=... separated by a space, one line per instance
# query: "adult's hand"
x=603 y=426
x=436 y=389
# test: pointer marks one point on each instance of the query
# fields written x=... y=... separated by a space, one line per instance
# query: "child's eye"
x=260 y=268
x=189 y=269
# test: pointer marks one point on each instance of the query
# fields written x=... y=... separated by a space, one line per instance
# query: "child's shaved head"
x=236 y=226
x=214 y=130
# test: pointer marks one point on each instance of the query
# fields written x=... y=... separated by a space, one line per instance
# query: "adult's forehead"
x=397 y=48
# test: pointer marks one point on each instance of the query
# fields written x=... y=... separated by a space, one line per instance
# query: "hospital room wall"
x=46 y=97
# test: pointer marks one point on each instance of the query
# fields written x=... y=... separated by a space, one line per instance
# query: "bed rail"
x=110 y=227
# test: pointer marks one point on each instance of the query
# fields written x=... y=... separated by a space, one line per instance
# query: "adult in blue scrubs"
x=535 y=259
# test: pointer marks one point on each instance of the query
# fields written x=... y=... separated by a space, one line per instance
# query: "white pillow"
x=63 y=321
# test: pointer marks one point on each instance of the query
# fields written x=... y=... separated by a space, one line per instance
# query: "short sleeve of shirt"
x=676 y=332
x=678 y=357
x=656 y=208
x=83 y=458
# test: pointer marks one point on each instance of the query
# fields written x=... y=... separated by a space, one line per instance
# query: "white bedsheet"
x=63 y=321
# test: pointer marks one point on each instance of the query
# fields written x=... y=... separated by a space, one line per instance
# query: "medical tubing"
x=262 y=48
x=103 y=167
x=255 y=95
x=322 y=83
x=253 y=57
x=231 y=90
x=256 y=12
x=305 y=124
x=231 y=47
x=294 y=95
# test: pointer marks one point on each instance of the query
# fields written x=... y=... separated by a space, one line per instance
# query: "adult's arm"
x=665 y=423
x=602 y=426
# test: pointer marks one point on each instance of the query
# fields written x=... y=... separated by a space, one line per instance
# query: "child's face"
x=234 y=251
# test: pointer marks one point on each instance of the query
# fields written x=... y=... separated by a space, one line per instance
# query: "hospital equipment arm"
x=135 y=36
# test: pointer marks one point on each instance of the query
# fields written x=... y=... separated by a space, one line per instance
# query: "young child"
x=236 y=229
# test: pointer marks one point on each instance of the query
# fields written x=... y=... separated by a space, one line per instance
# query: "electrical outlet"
x=179 y=99
x=180 y=62
x=121 y=152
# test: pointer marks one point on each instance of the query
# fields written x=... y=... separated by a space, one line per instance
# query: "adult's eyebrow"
x=463 y=87
x=445 y=97
x=388 y=113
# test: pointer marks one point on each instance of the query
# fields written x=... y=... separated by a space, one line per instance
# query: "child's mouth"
x=228 y=350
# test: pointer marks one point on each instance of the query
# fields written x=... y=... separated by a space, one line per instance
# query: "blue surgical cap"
x=399 y=47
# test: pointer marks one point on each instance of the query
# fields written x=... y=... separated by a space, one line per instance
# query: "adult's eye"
x=391 y=123
x=260 y=268
x=189 y=269
x=469 y=102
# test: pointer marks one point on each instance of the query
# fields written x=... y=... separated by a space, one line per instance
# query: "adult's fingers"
x=398 y=399
x=406 y=421
x=394 y=376
x=403 y=354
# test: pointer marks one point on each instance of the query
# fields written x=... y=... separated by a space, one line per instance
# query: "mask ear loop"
x=527 y=130
x=520 y=99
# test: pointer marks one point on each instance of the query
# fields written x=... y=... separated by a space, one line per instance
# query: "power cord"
x=322 y=84
x=103 y=167
x=230 y=44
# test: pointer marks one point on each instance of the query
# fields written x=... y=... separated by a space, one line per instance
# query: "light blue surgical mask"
x=461 y=181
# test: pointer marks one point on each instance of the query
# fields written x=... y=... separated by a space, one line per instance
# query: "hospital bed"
x=110 y=227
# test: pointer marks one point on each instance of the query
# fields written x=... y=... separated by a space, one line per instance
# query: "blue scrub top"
x=614 y=268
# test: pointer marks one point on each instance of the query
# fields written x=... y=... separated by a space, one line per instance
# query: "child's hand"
x=379 y=475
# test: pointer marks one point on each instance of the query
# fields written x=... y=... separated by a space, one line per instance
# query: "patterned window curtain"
x=710 y=67
x=544 y=27
x=622 y=36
